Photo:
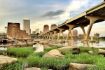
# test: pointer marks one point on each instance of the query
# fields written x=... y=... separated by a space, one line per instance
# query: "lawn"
x=27 y=58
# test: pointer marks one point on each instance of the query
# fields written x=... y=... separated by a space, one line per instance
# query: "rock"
x=6 y=60
x=44 y=42
x=77 y=66
x=32 y=68
x=65 y=48
x=50 y=69
x=75 y=50
x=3 y=49
x=39 y=47
x=53 y=53
x=101 y=51
x=71 y=49
x=90 y=52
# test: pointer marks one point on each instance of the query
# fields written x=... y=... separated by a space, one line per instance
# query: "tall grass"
x=36 y=59
x=51 y=63
x=13 y=66
x=19 y=52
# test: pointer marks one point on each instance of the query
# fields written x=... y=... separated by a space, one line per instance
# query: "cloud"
x=74 y=5
x=42 y=12
x=53 y=13
x=74 y=8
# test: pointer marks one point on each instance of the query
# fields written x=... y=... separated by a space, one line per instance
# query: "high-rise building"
x=53 y=26
x=46 y=28
x=26 y=26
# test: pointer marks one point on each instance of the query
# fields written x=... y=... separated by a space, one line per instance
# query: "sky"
x=41 y=12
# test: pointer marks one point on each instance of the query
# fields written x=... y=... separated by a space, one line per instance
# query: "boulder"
x=77 y=66
x=53 y=53
x=65 y=48
x=101 y=51
x=70 y=49
x=90 y=52
x=38 y=47
x=75 y=50
x=32 y=68
x=6 y=60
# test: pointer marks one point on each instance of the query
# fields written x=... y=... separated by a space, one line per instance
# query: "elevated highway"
x=87 y=18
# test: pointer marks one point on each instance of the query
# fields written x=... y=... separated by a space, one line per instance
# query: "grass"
x=65 y=51
x=13 y=66
x=37 y=59
x=83 y=58
x=51 y=63
x=51 y=47
x=63 y=63
x=20 y=52
x=33 y=61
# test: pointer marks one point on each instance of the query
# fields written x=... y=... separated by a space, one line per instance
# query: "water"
x=101 y=44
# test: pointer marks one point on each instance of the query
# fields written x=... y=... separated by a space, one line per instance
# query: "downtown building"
x=14 y=32
x=45 y=28
x=26 y=26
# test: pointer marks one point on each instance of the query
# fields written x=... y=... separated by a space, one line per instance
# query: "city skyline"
x=44 y=12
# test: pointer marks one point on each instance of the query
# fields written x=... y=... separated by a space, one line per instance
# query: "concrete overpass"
x=89 y=17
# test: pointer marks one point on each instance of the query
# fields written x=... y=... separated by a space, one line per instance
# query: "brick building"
x=46 y=28
x=53 y=26
x=14 y=32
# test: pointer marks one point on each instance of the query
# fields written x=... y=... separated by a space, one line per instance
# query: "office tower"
x=46 y=28
x=26 y=26
x=53 y=26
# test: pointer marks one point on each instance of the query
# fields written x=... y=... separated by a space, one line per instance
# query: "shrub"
x=19 y=52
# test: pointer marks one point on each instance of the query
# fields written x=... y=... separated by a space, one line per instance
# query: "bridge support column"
x=86 y=35
x=49 y=36
x=59 y=35
x=54 y=36
x=43 y=36
x=70 y=36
